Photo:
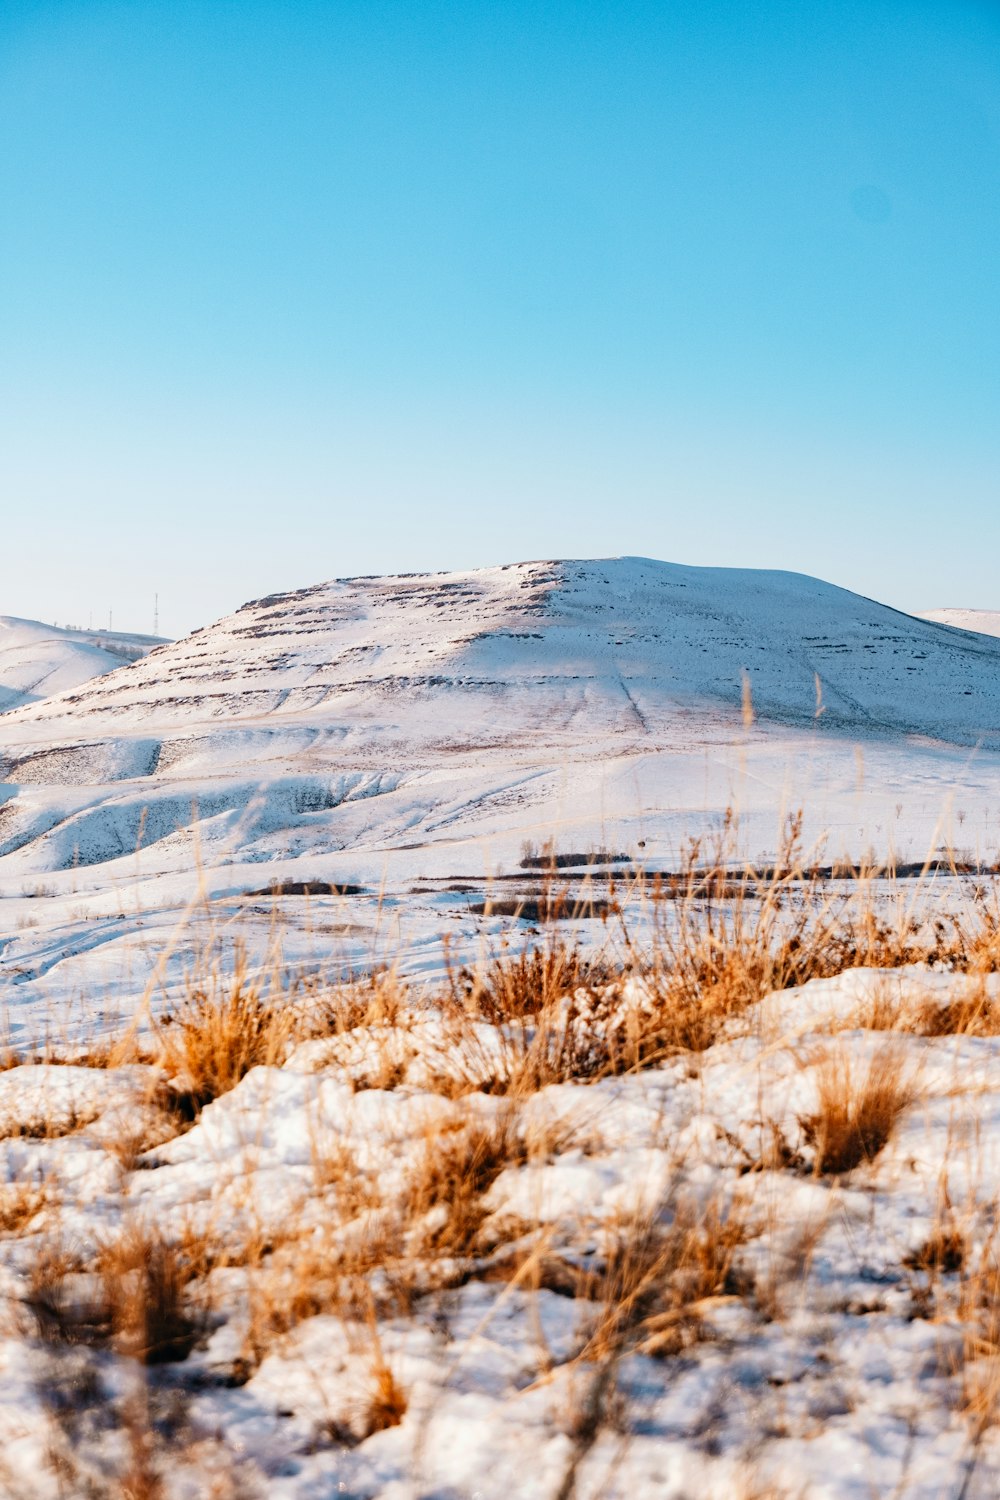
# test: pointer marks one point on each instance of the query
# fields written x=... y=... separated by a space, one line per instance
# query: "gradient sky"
x=292 y=290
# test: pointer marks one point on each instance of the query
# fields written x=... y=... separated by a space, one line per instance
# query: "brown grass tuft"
x=975 y=1014
x=514 y=986
x=457 y=1170
x=213 y=1039
x=666 y=1272
x=855 y=1117
x=19 y=1203
x=134 y=1297
x=388 y=1403
x=727 y=938
x=945 y=1249
x=144 y=1282
x=378 y=997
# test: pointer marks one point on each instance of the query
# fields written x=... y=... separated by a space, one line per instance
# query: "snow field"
x=431 y=1253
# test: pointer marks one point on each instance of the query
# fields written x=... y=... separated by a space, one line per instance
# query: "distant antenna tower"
x=156 y=614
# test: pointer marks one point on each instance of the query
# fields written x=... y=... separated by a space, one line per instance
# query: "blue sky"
x=291 y=290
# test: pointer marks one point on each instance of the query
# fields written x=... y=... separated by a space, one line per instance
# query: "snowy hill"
x=377 y=714
x=624 y=643
x=37 y=661
x=331 y=781
x=985 y=621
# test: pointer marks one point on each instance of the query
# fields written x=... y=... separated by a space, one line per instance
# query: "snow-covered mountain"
x=985 y=621
x=555 y=647
x=375 y=713
x=38 y=660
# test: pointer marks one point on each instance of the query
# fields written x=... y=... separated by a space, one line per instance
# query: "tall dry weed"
x=222 y=1027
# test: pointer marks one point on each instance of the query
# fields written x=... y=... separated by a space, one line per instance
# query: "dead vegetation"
x=132 y=1296
x=220 y=1030
x=666 y=1273
x=726 y=939
x=19 y=1203
x=448 y=1186
x=387 y=1403
x=974 y=1014
x=856 y=1110
x=722 y=936
x=945 y=1250
x=422 y=1240
x=515 y=985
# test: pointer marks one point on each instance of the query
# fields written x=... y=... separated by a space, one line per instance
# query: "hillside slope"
x=38 y=661
x=623 y=643
x=984 y=621
x=410 y=735
x=370 y=715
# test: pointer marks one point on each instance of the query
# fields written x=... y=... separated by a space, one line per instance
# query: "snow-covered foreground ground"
x=404 y=1281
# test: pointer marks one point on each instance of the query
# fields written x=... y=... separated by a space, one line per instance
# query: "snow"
x=402 y=734
x=37 y=661
x=847 y=1386
x=409 y=736
x=983 y=621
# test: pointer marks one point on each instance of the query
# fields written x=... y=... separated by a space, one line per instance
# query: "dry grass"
x=512 y=986
x=19 y=1203
x=448 y=1186
x=974 y=1014
x=660 y=1280
x=978 y=1315
x=133 y=1296
x=144 y=1285
x=220 y=1031
x=423 y=1239
x=47 y=1127
x=945 y=1250
x=665 y=1273
x=378 y=997
x=856 y=1115
x=387 y=1403
x=722 y=939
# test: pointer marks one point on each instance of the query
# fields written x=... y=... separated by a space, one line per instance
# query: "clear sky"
x=291 y=289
